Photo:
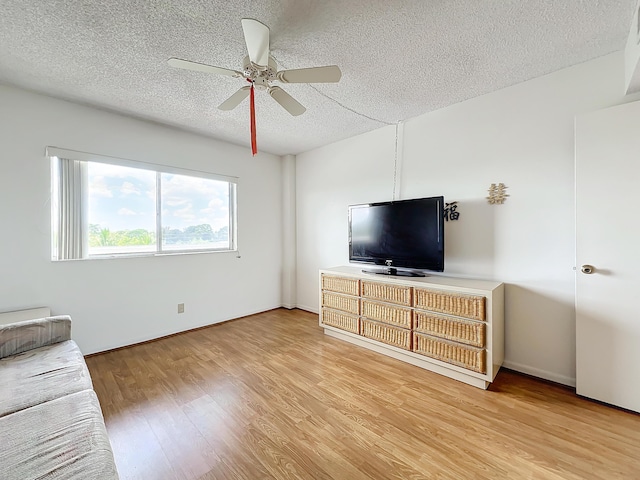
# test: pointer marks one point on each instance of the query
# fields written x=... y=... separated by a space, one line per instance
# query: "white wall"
x=521 y=136
x=123 y=301
x=328 y=179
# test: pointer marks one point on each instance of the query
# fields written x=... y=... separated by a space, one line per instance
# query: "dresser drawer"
x=467 y=306
x=450 y=352
x=456 y=329
x=346 y=285
x=386 y=292
x=398 y=337
x=341 y=320
x=386 y=313
x=341 y=302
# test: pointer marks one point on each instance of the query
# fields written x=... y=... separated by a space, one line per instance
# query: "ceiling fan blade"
x=201 y=67
x=234 y=100
x=256 y=36
x=329 y=74
x=289 y=103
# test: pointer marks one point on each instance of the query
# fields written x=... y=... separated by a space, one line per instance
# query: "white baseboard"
x=536 y=372
x=306 y=308
x=168 y=332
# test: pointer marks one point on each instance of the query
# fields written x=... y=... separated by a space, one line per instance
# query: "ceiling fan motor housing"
x=260 y=75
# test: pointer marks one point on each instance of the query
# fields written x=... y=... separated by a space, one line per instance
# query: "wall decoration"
x=450 y=211
x=497 y=194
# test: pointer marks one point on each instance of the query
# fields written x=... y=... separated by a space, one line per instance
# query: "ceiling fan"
x=260 y=70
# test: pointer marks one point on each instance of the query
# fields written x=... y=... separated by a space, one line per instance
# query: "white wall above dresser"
x=521 y=136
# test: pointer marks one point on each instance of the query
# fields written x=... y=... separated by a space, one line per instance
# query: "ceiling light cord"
x=395 y=164
x=383 y=122
x=349 y=108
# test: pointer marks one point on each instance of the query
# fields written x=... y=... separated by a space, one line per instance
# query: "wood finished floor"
x=270 y=396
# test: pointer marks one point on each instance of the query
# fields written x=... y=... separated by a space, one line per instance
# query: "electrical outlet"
x=181 y=308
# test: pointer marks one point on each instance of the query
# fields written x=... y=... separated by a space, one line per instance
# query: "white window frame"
x=159 y=169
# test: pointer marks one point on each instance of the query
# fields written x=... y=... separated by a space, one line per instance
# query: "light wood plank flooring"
x=270 y=396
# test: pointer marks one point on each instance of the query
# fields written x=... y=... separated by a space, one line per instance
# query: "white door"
x=608 y=238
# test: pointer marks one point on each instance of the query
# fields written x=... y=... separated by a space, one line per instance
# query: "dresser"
x=451 y=326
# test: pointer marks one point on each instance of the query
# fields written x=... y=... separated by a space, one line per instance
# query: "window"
x=195 y=213
x=107 y=209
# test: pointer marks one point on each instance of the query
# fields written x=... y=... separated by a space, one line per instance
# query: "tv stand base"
x=395 y=272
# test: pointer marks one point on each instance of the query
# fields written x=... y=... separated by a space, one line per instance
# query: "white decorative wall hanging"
x=497 y=194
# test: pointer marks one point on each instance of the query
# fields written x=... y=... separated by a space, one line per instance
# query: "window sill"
x=147 y=254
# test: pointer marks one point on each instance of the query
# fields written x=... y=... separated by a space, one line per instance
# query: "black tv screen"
x=403 y=233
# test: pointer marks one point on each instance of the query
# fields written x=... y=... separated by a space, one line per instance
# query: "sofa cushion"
x=19 y=337
x=40 y=375
x=64 y=438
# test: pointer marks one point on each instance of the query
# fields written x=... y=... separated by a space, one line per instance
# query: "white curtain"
x=72 y=205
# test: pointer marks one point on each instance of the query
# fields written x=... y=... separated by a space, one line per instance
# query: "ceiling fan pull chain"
x=254 y=145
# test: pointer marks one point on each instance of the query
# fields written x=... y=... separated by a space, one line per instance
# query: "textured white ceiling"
x=398 y=58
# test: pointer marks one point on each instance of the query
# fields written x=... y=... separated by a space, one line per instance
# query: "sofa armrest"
x=22 y=336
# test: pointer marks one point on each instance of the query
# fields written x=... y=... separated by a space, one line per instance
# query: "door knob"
x=588 y=269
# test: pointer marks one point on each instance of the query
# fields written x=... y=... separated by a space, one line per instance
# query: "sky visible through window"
x=124 y=199
x=192 y=201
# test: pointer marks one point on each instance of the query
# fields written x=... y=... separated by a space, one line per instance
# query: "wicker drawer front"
x=341 y=320
x=341 y=302
x=458 y=330
x=450 y=352
x=398 y=337
x=467 y=306
x=399 y=316
x=387 y=293
x=350 y=286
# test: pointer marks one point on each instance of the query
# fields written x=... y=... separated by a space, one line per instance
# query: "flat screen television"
x=405 y=234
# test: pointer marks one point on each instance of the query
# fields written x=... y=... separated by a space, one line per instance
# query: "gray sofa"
x=51 y=424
